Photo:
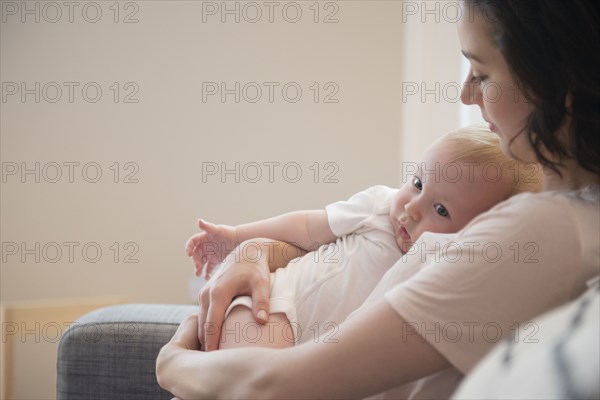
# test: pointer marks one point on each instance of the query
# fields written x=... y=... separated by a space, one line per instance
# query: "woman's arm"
x=374 y=351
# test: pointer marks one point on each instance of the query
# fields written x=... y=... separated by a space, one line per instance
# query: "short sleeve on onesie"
x=361 y=210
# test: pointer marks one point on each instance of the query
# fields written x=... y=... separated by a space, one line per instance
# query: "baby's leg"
x=241 y=330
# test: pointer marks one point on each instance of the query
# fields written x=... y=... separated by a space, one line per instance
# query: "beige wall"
x=157 y=129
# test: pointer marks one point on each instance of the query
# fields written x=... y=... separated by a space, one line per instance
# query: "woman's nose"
x=471 y=92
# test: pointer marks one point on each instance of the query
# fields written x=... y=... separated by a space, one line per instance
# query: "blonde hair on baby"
x=477 y=144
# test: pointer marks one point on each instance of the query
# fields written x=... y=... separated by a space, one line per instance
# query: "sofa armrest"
x=111 y=353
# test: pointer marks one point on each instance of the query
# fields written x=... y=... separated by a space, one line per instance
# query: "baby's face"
x=442 y=197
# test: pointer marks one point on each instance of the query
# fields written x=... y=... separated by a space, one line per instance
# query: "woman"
x=436 y=313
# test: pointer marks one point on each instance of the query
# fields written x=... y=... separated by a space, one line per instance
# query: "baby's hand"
x=211 y=246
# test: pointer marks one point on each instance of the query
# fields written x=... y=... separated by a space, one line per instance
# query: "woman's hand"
x=244 y=272
x=191 y=374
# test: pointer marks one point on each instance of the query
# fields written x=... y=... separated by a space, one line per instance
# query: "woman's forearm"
x=367 y=354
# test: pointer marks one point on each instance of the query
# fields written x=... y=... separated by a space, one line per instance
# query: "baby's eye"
x=417 y=183
x=441 y=210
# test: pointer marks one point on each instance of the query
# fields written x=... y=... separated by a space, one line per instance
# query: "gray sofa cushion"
x=111 y=353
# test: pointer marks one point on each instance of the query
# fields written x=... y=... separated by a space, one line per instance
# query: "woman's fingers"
x=260 y=301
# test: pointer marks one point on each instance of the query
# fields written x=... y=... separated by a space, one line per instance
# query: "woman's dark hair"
x=553 y=50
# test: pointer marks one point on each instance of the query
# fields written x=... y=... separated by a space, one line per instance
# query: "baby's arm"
x=306 y=229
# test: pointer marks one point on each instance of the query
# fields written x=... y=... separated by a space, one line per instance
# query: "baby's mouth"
x=403 y=233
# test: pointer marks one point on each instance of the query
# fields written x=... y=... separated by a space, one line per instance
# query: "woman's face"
x=490 y=85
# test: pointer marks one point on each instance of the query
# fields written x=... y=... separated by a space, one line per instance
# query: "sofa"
x=111 y=354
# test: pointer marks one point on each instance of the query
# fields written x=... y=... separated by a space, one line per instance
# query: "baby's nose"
x=404 y=218
x=412 y=210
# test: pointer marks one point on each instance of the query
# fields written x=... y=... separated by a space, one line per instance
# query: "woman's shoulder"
x=551 y=204
x=563 y=212
x=588 y=195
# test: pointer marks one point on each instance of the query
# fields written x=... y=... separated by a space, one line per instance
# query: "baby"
x=353 y=243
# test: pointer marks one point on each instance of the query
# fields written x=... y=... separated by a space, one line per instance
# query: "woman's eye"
x=441 y=210
x=477 y=79
x=417 y=183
